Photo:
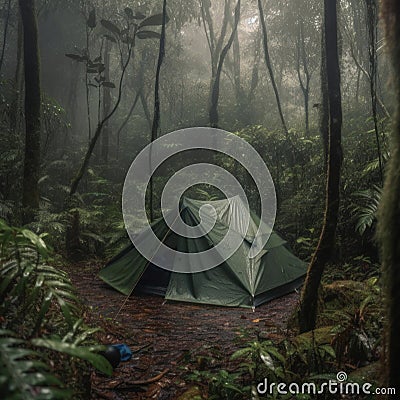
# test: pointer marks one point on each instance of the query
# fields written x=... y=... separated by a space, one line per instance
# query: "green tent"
x=239 y=281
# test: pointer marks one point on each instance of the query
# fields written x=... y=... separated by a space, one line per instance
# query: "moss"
x=340 y=294
x=369 y=373
x=317 y=337
x=191 y=394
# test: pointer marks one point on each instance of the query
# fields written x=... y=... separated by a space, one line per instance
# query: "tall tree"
x=303 y=72
x=372 y=25
x=248 y=104
x=105 y=145
x=324 y=105
x=213 y=112
x=18 y=80
x=30 y=188
x=309 y=297
x=269 y=64
x=234 y=65
x=157 y=109
x=7 y=10
x=214 y=41
x=389 y=216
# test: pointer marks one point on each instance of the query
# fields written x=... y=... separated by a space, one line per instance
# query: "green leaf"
x=22 y=373
x=328 y=349
x=44 y=308
x=36 y=241
x=267 y=360
x=148 y=35
x=274 y=352
x=110 y=26
x=154 y=20
x=81 y=338
x=91 y=22
x=241 y=353
x=84 y=353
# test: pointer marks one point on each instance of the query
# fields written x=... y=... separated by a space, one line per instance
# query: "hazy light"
x=252 y=20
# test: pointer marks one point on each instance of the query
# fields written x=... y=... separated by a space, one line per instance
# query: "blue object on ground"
x=124 y=350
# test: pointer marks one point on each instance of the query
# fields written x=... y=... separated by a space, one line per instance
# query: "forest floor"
x=170 y=340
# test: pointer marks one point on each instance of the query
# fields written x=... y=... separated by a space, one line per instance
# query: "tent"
x=240 y=281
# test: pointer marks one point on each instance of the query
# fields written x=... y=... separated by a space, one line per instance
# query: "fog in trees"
x=312 y=86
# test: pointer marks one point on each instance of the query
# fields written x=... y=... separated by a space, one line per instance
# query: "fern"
x=365 y=214
x=24 y=373
x=373 y=166
x=39 y=302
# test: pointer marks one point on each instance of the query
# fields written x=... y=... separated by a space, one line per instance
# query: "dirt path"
x=180 y=336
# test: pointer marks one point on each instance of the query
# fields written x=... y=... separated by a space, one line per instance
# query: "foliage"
x=39 y=309
x=24 y=373
x=365 y=215
x=348 y=336
x=221 y=385
x=358 y=319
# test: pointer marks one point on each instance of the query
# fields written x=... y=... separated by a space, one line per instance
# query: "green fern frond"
x=24 y=374
x=365 y=214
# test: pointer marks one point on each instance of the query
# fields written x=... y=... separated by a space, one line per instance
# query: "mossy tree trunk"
x=389 y=216
x=326 y=244
x=30 y=188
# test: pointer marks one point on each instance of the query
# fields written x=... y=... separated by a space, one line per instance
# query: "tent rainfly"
x=240 y=281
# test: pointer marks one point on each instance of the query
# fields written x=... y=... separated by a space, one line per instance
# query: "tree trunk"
x=237 y=76
x=85 y=163
x=326 y=245
x=389 y=215
x=372 y=26
x=145 y=106
x=248 y=105
x=73 y=94
x=18 y=81
x=213 y=112
x=126 y=120
x=73 y=242
x=324 y=106
x=156 y=117
x=269 y=65
x=105 y=145
x=30 y=188
x=214 y=43
x=302 y=64
x=7 y=10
